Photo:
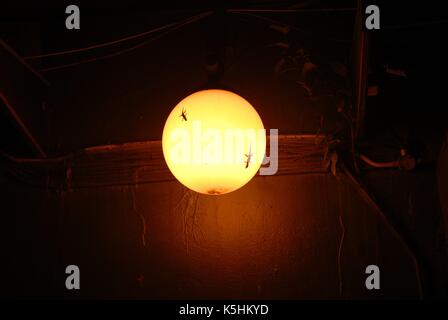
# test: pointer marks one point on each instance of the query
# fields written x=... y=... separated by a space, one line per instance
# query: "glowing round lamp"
x=214 y=141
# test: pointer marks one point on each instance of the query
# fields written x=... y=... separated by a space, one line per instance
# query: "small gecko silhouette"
x=183 y=115
x=248 y=156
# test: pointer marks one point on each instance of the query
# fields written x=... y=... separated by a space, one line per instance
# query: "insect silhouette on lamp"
x=183 y=115
x=248 y=156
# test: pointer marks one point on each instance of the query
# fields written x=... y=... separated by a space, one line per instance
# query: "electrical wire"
x=341 y=244
x=34 y=160
x=292 y=10
x=277 y=22
x=383 y=217
x=416 y=25
x=176 y=27
x=260 y=17
x=142 y=34
x=106 y=44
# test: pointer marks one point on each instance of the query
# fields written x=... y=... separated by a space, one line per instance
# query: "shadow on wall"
x=277 y=237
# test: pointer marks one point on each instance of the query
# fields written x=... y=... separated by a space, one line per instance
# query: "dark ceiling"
x=127 y=97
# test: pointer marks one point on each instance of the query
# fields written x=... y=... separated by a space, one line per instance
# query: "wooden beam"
x=137 y=163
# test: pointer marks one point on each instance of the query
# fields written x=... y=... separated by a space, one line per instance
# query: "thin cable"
x=139 y=214
x=342 y=238
x=24 y=63
x=341 y=244
x=277 y=22
x=376 y=208
x=142 y=34
x=105 y=44
x=416 y=25
x=292 y=10
x=33 y=160
x=267 y=20
x=188 y=21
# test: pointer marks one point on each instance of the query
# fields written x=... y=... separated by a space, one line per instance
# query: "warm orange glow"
x=214 y=141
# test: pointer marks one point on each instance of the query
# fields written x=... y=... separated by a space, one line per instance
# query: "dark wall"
x=277 y=237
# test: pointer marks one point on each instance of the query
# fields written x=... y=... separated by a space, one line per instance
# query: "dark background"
x=278 y=237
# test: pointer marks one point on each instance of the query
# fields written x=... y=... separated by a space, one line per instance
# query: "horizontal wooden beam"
x=143 y=162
